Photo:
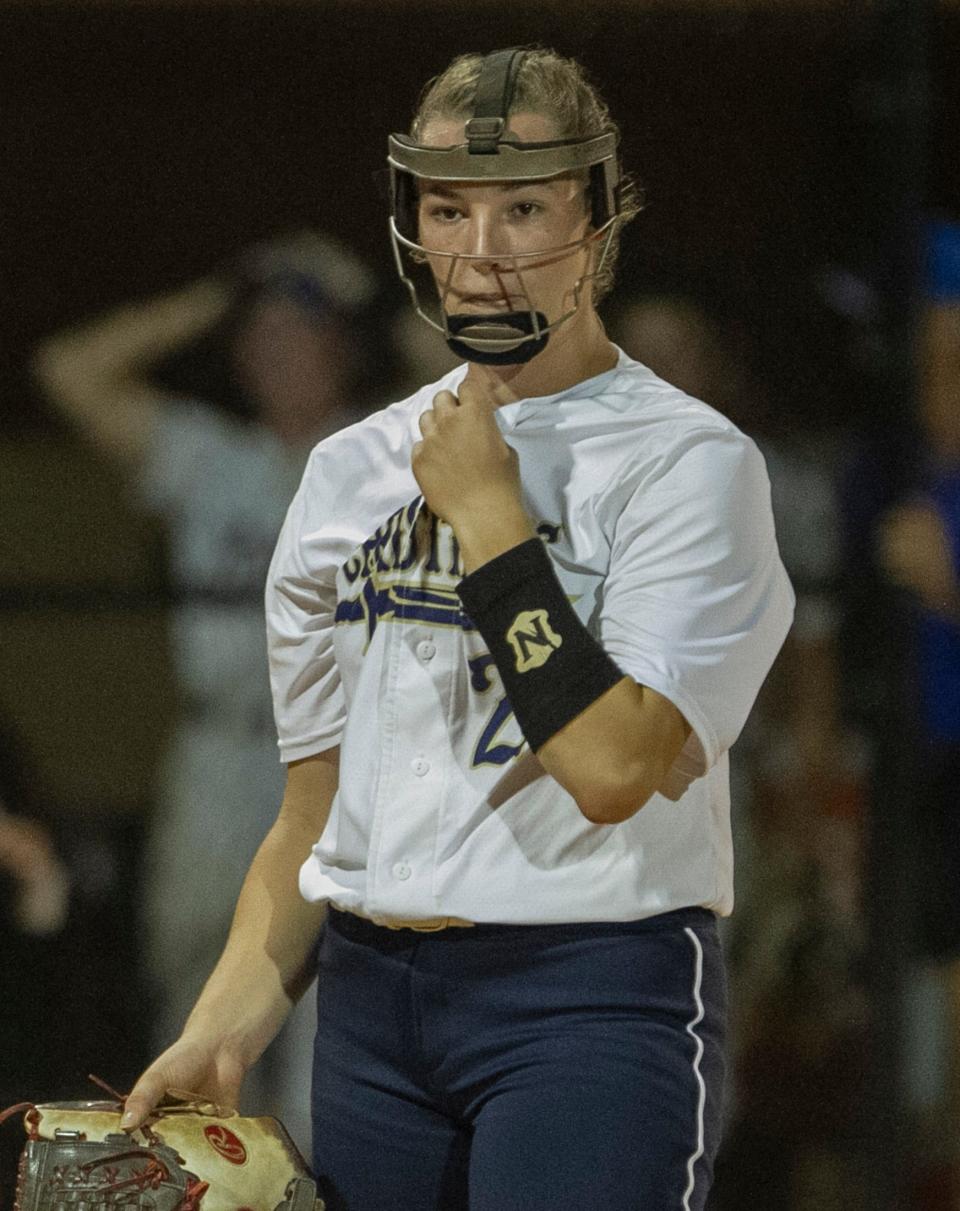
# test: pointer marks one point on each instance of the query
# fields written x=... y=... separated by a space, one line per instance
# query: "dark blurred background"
x=788 y=151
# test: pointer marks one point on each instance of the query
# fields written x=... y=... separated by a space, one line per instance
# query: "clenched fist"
x=462 y=461
x=468 y=474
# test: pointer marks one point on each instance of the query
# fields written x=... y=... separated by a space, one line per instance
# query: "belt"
x=420 y=925
x=430 y=925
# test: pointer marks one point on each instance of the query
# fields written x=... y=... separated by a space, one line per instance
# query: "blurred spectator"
x=797 y=1008
x=903 y=521
x=34 y=902
x=286 y=324
x=918 y=548
x=71 y=997
x=40 y=884
x=676 y=337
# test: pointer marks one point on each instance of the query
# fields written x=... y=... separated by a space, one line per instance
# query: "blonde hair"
x=552 y=86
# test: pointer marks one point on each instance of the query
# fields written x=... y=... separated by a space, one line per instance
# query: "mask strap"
x=491 y=104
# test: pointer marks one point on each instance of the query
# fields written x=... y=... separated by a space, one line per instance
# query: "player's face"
x=496 y=242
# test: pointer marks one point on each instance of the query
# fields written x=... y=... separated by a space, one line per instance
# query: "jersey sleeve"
x=301 y=600
x=697 y=603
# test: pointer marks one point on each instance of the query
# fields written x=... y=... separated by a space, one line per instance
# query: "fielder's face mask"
x=502 y=337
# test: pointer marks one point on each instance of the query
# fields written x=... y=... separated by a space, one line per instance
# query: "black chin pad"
x=504 y=338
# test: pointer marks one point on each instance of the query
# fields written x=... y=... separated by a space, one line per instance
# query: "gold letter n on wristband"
x=505 y=588
x=533 y=639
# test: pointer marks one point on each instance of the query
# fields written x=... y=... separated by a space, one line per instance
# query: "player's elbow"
x=616 y=795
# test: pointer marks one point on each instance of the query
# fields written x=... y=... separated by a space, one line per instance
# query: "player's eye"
x=444 y=214
x=526 y=209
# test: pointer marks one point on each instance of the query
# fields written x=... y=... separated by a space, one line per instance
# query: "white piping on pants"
x=702 y=1097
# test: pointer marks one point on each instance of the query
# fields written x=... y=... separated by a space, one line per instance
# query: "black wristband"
x=551 y=666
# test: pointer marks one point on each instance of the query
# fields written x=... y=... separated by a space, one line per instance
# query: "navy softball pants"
x=526 y=1067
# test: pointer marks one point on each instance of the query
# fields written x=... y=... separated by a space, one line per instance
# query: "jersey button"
x=401 y=871
x=419 y=766
x=426 y=650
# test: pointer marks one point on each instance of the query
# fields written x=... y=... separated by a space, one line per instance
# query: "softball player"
x=516 y=621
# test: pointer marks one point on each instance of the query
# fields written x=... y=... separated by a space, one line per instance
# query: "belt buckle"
x=431 y=925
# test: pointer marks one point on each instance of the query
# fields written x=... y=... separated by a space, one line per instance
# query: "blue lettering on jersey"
x=488 y=752
x=392 y=546
x=408 y=570
x=389 y=588
x=400 y=602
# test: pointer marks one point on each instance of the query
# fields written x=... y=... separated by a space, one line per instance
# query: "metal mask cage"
x=490 y=153
x=420 y=279
x=411 y=162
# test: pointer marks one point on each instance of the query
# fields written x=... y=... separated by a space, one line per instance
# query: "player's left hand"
x=463 y=466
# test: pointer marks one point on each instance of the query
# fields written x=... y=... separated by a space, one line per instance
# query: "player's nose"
x=482 y=240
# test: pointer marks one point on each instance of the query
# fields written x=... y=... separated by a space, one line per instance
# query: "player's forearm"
x=606 y=740
x=266 y=965
x=263 y=969
x=616 y=754
x=483 y=532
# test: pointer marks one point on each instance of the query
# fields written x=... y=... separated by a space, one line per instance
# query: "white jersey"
x=656 y=512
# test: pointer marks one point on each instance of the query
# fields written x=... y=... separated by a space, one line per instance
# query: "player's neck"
x=577 y=350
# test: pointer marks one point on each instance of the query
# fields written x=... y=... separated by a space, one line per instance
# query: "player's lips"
x=486 y=301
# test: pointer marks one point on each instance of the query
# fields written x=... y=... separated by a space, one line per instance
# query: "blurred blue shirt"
x=938 y=640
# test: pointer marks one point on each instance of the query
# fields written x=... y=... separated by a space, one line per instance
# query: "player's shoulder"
x=363 y=470
x=632 y=396
x=631 y=436
x=637 y=424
